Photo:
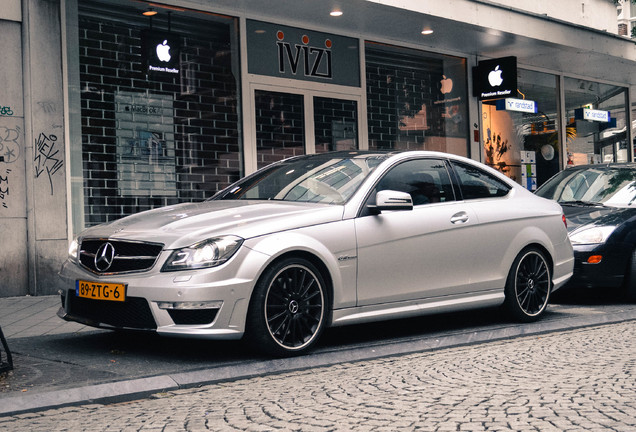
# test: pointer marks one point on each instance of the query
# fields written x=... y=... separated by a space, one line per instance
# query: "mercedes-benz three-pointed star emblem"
x=104 y=257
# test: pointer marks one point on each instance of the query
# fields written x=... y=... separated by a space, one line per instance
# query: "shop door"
x=292 y=122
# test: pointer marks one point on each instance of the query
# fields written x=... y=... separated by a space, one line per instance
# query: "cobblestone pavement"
x=577 y=380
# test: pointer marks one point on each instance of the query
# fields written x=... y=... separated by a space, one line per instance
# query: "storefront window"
x=335 y=124
x=597 y=131
x=280 y=128
x=159 y=107
x=416 y=100
x=524 y=145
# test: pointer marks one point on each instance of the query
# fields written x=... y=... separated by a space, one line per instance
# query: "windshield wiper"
x=584 y=203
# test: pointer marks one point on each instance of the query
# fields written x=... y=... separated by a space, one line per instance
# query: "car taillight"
x=565 y=222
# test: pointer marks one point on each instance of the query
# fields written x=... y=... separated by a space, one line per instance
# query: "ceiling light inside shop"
x=150 y=12
x=335 y=13
x=427 y=31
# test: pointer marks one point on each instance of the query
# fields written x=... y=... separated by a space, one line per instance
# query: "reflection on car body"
x=599 y=202
x=323 y=240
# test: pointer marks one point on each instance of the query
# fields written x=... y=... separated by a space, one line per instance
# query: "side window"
x=475 y=183
x=426 y=180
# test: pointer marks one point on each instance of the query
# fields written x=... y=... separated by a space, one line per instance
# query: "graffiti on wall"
x=48 y=106
x=4 y=187
x=6 y=111
x=9 y=147
x=9 y=153
x=47 y=157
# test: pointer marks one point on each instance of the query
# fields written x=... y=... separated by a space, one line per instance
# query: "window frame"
x=460 y=186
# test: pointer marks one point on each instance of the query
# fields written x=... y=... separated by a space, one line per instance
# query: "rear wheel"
x=528 y=286
x=288 y=308
x=630 y=278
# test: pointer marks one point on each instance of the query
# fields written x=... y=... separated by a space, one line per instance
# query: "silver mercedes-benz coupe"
x=323 y=240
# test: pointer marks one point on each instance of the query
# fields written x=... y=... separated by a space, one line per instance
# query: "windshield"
x=317 y=178
x=614 y=187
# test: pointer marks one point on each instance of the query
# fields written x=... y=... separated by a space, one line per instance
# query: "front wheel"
x=528 y=286
x=288 y=308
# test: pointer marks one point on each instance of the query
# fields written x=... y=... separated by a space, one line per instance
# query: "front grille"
x=134 y=313
x=127 y=257
x=192 y=317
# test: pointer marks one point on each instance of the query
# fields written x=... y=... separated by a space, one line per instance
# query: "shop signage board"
x=289 y=52
x=520 y=105
x=495 y=79
x=592 y=115
x=160 y=52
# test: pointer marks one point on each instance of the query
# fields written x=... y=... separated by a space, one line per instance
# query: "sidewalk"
x=34 y=316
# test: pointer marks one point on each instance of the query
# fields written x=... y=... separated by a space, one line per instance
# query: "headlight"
x=593 y=235
x=208 y=253
x=72 y=250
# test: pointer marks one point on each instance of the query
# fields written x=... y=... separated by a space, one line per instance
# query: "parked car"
x=323 y=240
x=599 y=202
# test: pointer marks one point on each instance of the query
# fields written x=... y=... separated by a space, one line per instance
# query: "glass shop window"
x=416 y=100
x=160 y=107
x=524 y=145
x=596 y=122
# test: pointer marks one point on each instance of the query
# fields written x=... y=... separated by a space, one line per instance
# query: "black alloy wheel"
x=528 y=286
x=288 y=310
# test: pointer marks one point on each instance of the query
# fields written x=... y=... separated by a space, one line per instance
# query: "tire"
x=630 y=279
x=288 y=310
x=528 y=286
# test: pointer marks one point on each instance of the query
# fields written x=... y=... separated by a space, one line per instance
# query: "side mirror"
x=391 y=200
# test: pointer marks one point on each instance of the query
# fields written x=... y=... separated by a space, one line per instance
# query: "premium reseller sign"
x=289 y=52
x=495 y=79
x=160 y=52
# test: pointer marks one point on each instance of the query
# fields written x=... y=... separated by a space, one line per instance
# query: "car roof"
x=604 y=166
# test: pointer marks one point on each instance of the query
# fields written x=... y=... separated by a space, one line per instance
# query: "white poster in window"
x=145 y=144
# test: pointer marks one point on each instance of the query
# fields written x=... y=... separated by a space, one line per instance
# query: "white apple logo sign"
x=447 y=85
x=494 y=77
x=163 y=52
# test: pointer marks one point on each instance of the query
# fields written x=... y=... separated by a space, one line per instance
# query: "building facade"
x=111 y=107
x=626 y=11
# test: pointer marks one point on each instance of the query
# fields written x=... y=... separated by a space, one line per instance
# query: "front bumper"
x=609 y=273
x=207 y=303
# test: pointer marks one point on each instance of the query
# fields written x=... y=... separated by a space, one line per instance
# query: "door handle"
x=461 y=217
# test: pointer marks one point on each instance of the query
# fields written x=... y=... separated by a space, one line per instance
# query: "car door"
x=499 y=221
x=418 y=253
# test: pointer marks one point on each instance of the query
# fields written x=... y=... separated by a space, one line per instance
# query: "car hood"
x=580 y=216
x=185 y=224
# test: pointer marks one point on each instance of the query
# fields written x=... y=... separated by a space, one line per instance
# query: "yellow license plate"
x=100 y=290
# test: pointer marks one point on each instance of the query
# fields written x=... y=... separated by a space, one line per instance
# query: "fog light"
x=594 y=259
x=191 y=305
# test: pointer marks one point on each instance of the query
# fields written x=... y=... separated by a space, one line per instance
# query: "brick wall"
x=189 y=147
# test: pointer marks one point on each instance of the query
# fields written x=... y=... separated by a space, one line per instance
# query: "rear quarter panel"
x=513 y=223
